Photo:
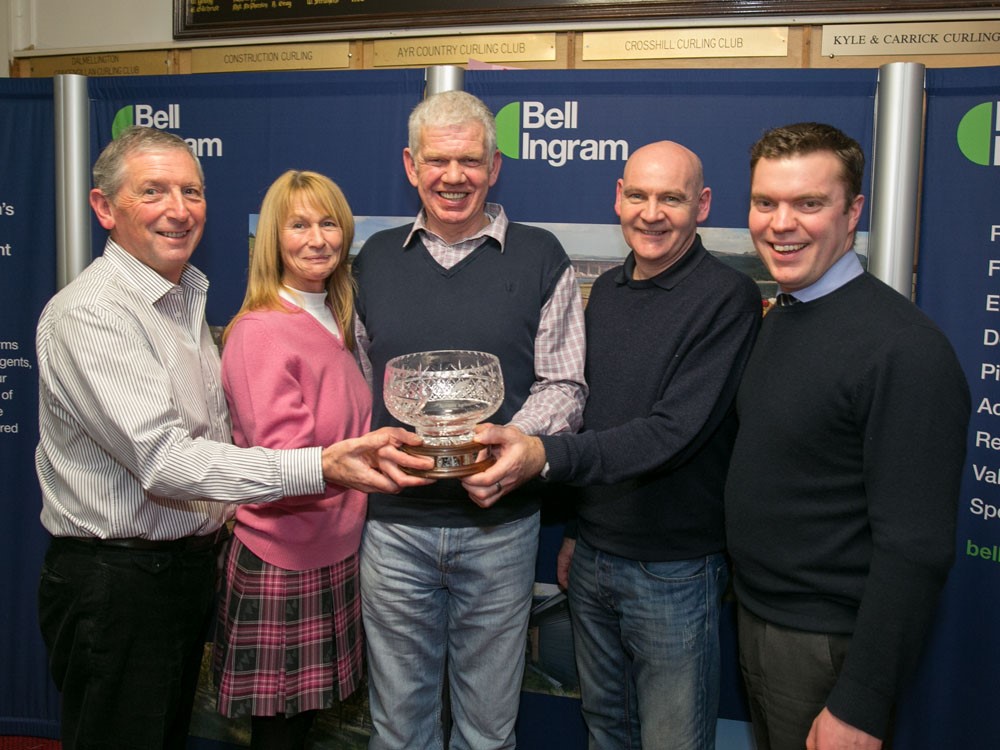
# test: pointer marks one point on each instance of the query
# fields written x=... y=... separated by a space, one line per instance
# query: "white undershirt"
x=313 y=303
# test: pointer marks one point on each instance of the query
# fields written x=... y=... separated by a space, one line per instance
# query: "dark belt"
x=185 y=544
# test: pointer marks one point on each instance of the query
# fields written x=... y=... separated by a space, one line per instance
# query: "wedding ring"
x=499 y=488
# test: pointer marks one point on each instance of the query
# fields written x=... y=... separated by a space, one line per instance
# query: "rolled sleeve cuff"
x=525 y=425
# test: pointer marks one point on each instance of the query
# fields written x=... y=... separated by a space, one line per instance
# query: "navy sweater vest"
x=491 y=301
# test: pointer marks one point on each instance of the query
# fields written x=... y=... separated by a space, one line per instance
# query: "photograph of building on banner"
x=594 y=248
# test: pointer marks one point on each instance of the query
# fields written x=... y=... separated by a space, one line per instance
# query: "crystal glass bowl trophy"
x=442 y=395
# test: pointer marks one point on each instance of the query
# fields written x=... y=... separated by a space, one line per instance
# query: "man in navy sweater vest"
x=842 y=492
x=668 y=335
x=446 y=584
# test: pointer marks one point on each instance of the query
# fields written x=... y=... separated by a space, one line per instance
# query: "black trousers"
x=125 y=631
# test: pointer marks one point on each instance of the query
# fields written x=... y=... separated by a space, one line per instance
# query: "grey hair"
x=450 y=108
x=109 y=169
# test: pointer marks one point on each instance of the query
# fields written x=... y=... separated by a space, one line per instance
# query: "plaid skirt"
x=287 y=641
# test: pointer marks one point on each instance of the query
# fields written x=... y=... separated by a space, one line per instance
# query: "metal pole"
x=444 y=78
x=72 y=129
x=899 y=126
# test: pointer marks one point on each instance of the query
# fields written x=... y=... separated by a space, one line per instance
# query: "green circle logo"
x=124 y=118
x=976 y=134
x=508 y=121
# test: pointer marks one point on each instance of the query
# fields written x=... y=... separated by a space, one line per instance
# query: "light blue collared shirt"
x=846 y=268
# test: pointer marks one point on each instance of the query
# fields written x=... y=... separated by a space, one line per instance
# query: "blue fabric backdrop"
x=716 y=113
x=28 y=703
x=958 y=279
x=562 y=132
x=250 y=128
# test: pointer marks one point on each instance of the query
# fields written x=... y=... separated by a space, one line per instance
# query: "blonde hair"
x=266 y=266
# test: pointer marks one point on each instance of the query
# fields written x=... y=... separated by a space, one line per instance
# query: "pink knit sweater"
x=291 y=384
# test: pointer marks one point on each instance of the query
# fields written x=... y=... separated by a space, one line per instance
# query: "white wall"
x=75 y=25
x=72 y=24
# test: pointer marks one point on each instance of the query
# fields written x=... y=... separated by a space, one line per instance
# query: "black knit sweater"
x=842 y=492
x=664 y=358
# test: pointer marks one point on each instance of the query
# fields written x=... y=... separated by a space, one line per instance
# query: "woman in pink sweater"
x=289 y=639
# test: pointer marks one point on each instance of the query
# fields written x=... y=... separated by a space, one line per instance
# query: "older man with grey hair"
x=446 y=584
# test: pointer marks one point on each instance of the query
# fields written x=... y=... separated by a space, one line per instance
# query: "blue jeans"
x=646 y=636
x=457 y=598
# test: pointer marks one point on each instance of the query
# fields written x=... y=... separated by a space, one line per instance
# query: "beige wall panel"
x=154 y=62
x=357 y=55
x=804 y=51
x=817 y=60
x=797 y=42
x=183 y=61
x=368 y=60
x=246 y=58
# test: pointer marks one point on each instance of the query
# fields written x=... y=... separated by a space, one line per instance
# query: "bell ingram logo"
x=517 y=120
x=978 y=132
x=162 y=119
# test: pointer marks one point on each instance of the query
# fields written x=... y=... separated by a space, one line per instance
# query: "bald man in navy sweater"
x=668 y=335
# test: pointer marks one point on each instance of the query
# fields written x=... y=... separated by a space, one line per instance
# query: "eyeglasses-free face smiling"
x=800 y=219
x=311 y=248
x=158 y=213
x=452 y=174
x=660 y=200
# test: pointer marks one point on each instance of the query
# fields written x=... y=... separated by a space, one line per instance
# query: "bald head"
x=669 y=156
x=660 y=200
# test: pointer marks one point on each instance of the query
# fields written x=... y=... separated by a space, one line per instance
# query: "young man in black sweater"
x=841 y=496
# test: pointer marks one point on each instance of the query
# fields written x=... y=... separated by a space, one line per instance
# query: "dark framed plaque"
x=229 y=18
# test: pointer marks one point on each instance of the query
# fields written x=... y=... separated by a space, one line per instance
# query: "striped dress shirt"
x=134 y=435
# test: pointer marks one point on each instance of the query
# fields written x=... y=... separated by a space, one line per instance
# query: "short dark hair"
x=807 y=138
